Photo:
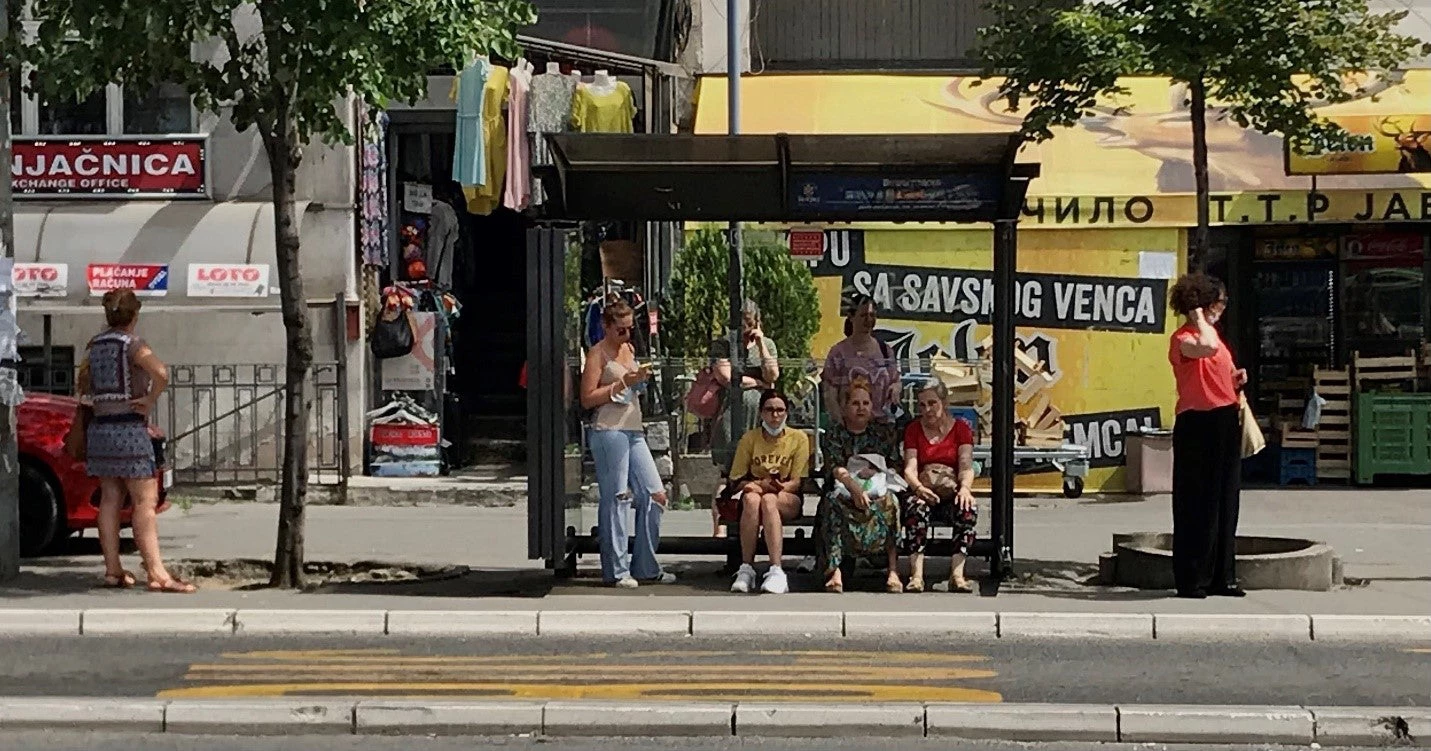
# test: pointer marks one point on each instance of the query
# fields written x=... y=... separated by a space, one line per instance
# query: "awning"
x=177 y=233
x=956 y=178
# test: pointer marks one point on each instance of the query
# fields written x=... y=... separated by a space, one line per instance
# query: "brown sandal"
x=173 y=586
x=914 y=586
x=121 y=580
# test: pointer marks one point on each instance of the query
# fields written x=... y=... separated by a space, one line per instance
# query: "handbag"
x=392 y=337
x=76 y=439
x=1252 y=439
x=703 y=400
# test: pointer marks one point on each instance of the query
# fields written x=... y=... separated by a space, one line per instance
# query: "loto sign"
x=228 y=280
x=110 y=165
x=40 y=279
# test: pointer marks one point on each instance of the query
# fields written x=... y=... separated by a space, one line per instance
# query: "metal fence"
x=225 y=423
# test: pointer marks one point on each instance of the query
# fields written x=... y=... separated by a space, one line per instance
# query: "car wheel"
x=42 y=512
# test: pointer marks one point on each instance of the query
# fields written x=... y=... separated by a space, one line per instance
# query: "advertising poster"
x=41 y=279
x=1381 y=144
x=146 y=279
x=1084 y=308
x=228 y=280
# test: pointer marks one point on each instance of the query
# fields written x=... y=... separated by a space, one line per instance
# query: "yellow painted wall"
x=1098 y=371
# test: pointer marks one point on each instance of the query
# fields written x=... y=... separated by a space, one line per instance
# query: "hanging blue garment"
x=595 y=331
x=469 y=156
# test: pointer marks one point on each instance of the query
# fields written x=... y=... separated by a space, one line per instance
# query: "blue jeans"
x=627 y=477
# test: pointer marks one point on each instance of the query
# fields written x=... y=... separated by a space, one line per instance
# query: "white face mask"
x=772 y=430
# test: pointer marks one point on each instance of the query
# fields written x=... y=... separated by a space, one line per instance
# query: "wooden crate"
x=1298 y=438
x=1334 y=450
x=1383 y=371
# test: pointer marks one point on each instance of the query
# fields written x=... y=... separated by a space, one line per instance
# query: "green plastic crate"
x=1393 y=435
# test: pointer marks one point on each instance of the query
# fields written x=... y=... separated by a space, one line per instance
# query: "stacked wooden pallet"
x=1294 y=437
x=1037 y=422
x=1334 y=428
x=1375 y=373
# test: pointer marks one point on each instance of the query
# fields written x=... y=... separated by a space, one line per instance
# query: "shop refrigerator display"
x=1296 y=307
x=1382 y=286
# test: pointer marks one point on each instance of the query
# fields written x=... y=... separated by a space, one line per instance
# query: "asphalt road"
x=49 y=741
x=662 y=668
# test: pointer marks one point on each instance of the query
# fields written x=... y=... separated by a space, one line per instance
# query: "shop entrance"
x=971 y=178
x=482 y=402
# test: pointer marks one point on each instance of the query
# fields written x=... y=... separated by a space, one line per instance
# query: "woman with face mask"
x=1207 y=443
x=760 y=369
x=625 y=470
x=770 y=463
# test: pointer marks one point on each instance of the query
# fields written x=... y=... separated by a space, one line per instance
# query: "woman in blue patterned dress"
x=121 y=378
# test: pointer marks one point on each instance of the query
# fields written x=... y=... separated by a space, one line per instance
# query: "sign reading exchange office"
x=110 y=166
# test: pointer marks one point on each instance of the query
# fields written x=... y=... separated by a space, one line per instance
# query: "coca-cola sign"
x=117 y=166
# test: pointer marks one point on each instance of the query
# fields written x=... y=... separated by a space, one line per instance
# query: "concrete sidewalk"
x=1380 y=535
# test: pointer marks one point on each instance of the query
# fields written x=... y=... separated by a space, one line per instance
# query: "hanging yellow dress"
x=483 y=199
x=613 y=111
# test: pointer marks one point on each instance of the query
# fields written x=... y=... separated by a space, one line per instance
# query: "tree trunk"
x=1197 y=248
x=284 y=155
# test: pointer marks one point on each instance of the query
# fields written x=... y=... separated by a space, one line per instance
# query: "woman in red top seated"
x=1207 y=443
x=939 y=466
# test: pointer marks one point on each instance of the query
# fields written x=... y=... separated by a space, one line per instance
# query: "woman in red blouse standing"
x=939 y=467
x=1207 y=443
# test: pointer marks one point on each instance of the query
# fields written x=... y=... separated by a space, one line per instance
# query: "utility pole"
x=9 y=450
x=735 y=265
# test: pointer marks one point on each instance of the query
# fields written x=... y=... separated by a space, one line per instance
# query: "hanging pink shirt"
x=519 y=156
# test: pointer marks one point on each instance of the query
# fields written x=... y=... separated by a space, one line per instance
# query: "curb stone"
x=40 y=622
x=82 y=713
x=613 y=623
x=1371 y=627
x=829 y=720
x=1158 y=723
x=462 y=623
x=104 y=622
x=259 y=717
x=383 y=717
x=1197 y=626
x=1023 y=722
x=1371 y=726
x=356 y=622
x=966 y=625
x=1080 y=625
x=653 y=719
x=803 y=623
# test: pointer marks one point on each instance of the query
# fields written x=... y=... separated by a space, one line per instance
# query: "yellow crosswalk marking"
x=767 y=675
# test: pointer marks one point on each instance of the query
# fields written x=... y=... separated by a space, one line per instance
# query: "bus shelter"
x=782 y=178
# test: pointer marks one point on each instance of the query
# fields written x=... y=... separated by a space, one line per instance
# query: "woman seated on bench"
x=859 y=514
x=939 y=466
x=771 y=461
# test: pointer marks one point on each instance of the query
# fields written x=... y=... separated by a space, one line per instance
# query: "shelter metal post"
x=735 y=268
x=1002 y=456
x=546 y=379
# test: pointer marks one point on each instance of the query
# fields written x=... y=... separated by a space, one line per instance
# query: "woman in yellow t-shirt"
x=771 y=461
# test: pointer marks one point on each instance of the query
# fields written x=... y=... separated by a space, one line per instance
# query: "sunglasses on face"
x=773 y=410
x=622 y=330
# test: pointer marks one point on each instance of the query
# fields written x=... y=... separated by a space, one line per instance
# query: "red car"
x=57 y=498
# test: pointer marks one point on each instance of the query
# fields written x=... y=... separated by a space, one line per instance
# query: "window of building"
x=111 y=110
x=164 y=109
x=86 y=117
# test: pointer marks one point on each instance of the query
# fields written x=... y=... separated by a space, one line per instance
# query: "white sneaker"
x=744 y=579
x=666 y=577
x=775 y=582
x=626 y=583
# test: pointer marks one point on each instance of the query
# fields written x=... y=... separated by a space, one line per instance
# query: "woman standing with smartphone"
x=625 y=470
x=1207 y=443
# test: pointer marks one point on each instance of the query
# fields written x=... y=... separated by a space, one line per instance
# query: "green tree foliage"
x=698 y=308
x=288 y=69
x=1263 y=64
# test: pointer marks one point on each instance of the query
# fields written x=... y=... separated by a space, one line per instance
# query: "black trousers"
x=1207 y=485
